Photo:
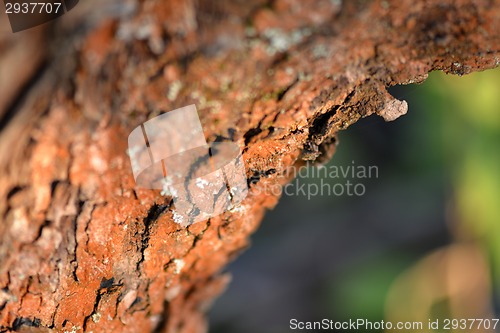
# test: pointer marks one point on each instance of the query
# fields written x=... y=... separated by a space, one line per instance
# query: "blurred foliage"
x=459 y=133
x=455 y=141
x=361 y=291
x=467 y=111
x=475 y=140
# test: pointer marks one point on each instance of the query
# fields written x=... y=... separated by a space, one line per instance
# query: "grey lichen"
x=393 y=109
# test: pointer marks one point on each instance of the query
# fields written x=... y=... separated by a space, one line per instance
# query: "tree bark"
x=81 y=248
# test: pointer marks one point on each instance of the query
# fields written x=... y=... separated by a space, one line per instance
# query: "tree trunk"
x=81 y=248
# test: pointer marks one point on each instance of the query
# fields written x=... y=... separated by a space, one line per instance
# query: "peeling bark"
x=81 y=248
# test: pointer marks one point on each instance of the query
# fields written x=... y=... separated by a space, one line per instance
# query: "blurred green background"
x=422 y=243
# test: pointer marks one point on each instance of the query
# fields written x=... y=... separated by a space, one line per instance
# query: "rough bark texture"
x=81 y=249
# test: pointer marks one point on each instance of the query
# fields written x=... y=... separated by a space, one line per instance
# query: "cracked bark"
x=83 y=250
